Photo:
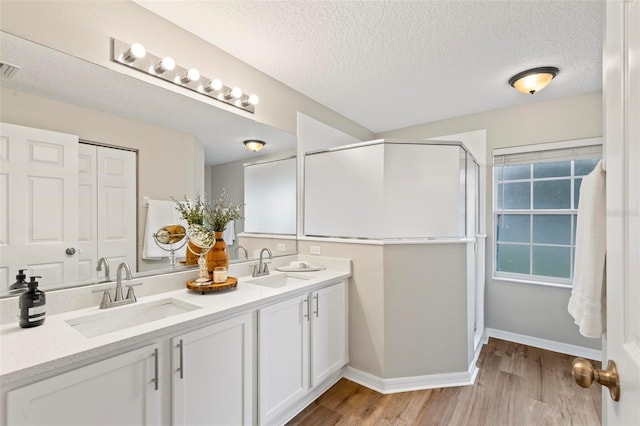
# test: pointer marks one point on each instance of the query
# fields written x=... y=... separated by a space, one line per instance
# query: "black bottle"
x=32 y=305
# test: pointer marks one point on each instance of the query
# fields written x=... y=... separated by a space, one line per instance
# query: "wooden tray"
x=230 y=283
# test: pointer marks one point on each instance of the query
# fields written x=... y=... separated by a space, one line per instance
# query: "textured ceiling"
x=392 y=64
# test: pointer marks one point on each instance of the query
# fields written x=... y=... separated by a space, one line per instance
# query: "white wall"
x=531 y=310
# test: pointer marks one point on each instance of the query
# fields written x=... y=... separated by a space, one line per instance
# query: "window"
x=536 y=197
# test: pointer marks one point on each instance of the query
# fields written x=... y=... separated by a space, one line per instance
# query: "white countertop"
x=32 y=351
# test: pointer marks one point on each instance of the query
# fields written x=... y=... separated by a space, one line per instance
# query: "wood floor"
x=517 y=385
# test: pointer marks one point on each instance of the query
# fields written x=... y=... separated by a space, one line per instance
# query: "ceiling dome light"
x=191 y=76
x=214 y=86
x=254 y=145
x=136 y=51
x=533 y=80
x=166 y=64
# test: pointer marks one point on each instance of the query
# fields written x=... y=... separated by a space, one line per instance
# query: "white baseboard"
x=549 y=345
x=404 y=384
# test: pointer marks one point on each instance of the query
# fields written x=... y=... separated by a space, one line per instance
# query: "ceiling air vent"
x=8 y=70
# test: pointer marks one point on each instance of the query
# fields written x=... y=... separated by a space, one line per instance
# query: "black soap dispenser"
x=32 y=305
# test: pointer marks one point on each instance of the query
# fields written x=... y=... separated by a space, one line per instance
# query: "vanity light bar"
x=189 y=78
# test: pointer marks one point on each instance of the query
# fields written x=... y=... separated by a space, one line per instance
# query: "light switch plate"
x=314 y=249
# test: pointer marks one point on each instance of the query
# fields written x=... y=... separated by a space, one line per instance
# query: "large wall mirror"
x=182 y=146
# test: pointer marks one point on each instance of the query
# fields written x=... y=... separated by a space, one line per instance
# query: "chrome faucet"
x=105 y=262
x=260 y=270
x=119 y=300
x=246 y=253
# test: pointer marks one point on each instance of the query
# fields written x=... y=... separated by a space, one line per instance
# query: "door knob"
x=584 y=374
x=70 y=251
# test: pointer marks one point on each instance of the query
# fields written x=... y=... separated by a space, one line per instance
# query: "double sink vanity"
x=256 y=354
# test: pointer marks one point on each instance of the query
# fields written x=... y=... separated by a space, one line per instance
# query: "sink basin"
x=120 y=318
x=281 y=280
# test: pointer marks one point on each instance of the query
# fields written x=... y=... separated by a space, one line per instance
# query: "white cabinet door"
x=283 y=356
x=117 y=391
x=213 y=374
x=38 y=195
x=328 y=332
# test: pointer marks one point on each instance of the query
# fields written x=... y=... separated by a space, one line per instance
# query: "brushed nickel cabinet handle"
x=305 y=314
x=315 y=296
x=181 y=345
x=155 y=368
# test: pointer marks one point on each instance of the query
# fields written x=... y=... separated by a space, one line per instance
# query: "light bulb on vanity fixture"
x=190 y=76
x=214 y=86
x=236 y=93
x=254 y=145
x=533 y=80
x=166 y=64
x=251 y=100
x=136 y=51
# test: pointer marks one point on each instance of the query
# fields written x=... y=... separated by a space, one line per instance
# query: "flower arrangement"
x=192 y=211
x=210 y=216
x=221 y=212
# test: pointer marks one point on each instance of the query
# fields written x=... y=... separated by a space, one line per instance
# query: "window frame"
x=532 y=151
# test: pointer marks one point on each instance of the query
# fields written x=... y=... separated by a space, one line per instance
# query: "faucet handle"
x=130 y=293
x=265 y=270
x=106 y=298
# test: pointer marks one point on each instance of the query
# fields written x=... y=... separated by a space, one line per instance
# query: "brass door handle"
x=584 y=374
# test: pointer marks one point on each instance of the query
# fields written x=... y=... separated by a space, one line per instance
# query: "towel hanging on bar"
x=586 y=304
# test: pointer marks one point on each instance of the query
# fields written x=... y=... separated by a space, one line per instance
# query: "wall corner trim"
x=550 y=345
x=405 y=384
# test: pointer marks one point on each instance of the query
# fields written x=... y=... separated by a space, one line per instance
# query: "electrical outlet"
x=281 y=247
x=314 y=249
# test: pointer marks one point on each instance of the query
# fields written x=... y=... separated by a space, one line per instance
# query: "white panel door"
x=39 y=214
x=117 y=206
x=117 y=391
x=622 y=153
x=283 y=356
x=328 y=332
x=213 y=374
x=87 y=212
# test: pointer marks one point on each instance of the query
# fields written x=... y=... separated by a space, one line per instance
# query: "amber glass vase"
x=219 y=254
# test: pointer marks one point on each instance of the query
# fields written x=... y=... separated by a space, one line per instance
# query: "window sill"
x=532 y=282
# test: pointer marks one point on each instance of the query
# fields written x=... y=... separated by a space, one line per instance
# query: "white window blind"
x=545 y=156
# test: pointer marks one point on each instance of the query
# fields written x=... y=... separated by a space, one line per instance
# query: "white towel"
x=159 y=213
x=587 y=301
x=229 y=234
